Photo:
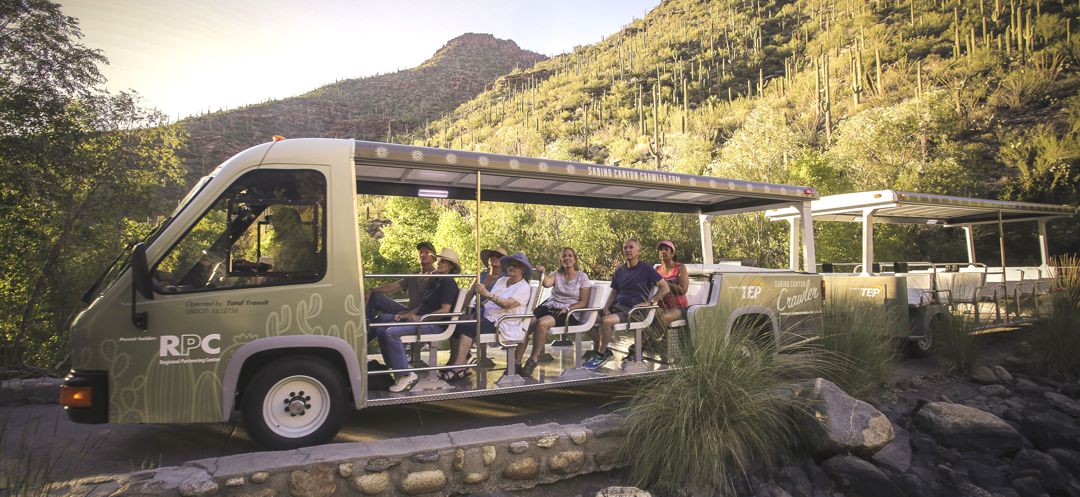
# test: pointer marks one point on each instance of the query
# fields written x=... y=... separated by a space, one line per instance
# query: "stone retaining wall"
x=482 y=460
x=30 y=391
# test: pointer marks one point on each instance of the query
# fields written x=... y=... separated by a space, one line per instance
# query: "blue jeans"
x=393 y=351
x=381 y=309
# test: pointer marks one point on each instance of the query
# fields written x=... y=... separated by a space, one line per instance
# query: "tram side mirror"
x=140 y=272
x=900 y=267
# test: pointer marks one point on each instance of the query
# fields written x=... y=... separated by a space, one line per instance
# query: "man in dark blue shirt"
x=631 y=286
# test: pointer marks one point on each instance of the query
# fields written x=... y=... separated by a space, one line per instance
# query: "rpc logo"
x=181 y=346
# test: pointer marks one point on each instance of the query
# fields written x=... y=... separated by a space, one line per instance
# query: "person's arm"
x=583 y=299
x=610 y=300
x=683 y=283
x=663 y=291
x=549 y=279
x=391 y=287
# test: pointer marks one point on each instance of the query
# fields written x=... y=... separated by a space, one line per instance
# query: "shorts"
x=559 y=317
x=623 y=312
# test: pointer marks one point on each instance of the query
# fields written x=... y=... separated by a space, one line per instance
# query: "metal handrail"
x=421 y=275
x=430 y=368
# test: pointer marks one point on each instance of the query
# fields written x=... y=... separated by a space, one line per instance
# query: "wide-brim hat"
x=668 y=243
x=519 y=258
x=486 y=253
x=448 y=254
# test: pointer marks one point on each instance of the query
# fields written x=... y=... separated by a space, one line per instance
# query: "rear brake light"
x=78 y=397
x=823 y=290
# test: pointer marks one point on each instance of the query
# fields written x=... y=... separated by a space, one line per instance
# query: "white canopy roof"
x=891 y=206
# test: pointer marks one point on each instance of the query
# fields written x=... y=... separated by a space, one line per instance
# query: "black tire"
x=924 y=347
x=308 y=390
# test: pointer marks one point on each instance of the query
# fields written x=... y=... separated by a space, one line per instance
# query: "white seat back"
x=587 y=319
x=445 y=335
x=919 y=287
x=962 y=287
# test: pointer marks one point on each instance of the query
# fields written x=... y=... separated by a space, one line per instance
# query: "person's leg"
x=607 y=331
x=519 y=352
x=540 y=337
x=465 y=334
x=381 y=309
x=393 y=350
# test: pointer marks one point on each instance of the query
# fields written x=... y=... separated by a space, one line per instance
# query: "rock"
x=1027 y=386
x=794 y=480
x=855 y=476
x=423 y=482
x=1014 y=361
x=316 y=482
x=770 y=490
x=1028 y=486
x=1069 y=459
x=605 y=425
x=259 y=477
x=475 y=478
x=1053 y=477
x=985 y=471
x=578 y=436
x=519 y=447
x=983 y=375
x=967 y=489
x=895 y=455
x=344 y=470
x=1051 y=429
x=994 y=390
x=1023 y=348
x=966 y=428
x=488 y=453
x=1004 y=492
x=566 y=462
x=234 y=482
x=840 y=423
x=1063 y=404
x=197 y=486
x=459 y=459
x=380 y=464
x=426 y=457
x=525 y=468
x=1002 y=374
x=918 y=482
x=371 y=483
x=623 y=492
x=547 y=441
x=265 y=492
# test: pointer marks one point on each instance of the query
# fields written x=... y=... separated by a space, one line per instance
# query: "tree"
x=83 y=171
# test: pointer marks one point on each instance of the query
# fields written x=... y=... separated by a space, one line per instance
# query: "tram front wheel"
x=294 y=402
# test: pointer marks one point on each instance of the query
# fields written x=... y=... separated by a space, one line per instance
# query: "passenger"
x=630 y=287
x=678 y=280
x=509 y=295
x=491 y=273
x=380 y=308
x=572 y=290
x=439 y=296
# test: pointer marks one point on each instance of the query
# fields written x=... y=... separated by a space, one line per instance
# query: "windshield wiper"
x=93 y=287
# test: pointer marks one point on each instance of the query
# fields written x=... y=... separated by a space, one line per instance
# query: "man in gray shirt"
x=381 y=309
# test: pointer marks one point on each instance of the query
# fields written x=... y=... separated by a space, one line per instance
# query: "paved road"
x=65 y=450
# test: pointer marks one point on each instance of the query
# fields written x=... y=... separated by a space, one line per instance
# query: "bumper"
x=98 y=384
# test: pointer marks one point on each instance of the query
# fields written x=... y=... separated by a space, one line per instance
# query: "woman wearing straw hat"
x=509 y=295
x=439 y=296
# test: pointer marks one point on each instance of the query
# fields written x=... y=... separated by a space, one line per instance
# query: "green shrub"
x=856 y=340
x=954 y=342
x=730 y=409
x=1056 y=339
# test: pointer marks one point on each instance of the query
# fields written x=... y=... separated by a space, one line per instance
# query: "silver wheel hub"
x=296 y=406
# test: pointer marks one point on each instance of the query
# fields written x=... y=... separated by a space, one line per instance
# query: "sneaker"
x=527 y=368
x=545 y=357
x=404 y=382
x=599 y=359
x=589 y=355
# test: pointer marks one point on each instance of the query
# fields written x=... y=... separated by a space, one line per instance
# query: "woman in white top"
x=572 y=289
x=509 y=295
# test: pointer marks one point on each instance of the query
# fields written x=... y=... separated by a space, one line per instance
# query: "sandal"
x=454 y=374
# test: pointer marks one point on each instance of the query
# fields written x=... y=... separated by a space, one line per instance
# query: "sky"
x=188 y=57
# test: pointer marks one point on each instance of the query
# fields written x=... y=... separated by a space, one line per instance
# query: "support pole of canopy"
x=969 y=239
x=479 y=262
x=867 y=241
x=705 y=223
x=1044 y=248
x=808 y=246
x=793 y=242
x=1001 y=242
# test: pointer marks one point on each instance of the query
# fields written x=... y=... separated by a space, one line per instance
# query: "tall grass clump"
x=857 y=342
x=1056 y=338
x=730 y=408
x=955 y=342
